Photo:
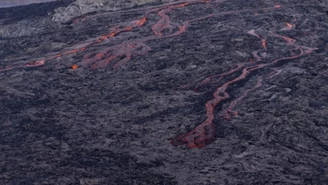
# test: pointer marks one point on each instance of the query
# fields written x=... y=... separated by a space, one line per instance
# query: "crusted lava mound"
x=175 y=92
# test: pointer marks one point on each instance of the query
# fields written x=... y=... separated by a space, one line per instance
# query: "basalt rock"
x=177 y=92
x=80 y=7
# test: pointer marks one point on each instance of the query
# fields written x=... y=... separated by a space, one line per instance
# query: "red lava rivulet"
x=119 y=54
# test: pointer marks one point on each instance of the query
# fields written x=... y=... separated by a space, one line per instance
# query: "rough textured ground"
x=11 y=3
x=185 y=92
x=81 y=7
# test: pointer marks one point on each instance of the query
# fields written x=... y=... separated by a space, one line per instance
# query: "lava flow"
x=204 y=133
x=117 y=55
x=124 y=51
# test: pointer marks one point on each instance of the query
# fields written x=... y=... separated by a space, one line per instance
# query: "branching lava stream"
x=117 y=55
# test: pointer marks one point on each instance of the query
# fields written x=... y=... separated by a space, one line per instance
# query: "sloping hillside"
x=182 y=92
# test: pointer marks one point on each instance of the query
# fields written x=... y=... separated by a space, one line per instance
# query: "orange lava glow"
x=227 y=112
x=74 y=67
x=127 y=49
x=204 y=133
x=141 y=22
x=264 y=44
x=117 y=55
x=289 y=26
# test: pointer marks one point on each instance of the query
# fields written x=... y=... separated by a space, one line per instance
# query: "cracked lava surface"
x=229 y=90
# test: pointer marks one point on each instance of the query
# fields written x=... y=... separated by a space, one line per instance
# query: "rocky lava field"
x=181 y=92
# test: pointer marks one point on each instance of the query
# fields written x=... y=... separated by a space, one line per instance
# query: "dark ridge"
x=11 y=15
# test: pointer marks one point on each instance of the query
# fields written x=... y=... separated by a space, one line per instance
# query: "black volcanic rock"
x=80 y=7
x=28 y=20
x=188 y=93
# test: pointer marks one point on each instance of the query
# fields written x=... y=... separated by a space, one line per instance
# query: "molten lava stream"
x=131 y=48
x=27 y=65
x=124 y=49
x=228 y=111
x=123 y=52
x=205 y=132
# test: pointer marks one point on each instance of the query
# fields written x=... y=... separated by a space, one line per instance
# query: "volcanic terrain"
x=164 y=92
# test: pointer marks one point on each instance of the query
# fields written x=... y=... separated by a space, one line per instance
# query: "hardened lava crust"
x=164 y=92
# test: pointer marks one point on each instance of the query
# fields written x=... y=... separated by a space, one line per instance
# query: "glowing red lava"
x=119 y=54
